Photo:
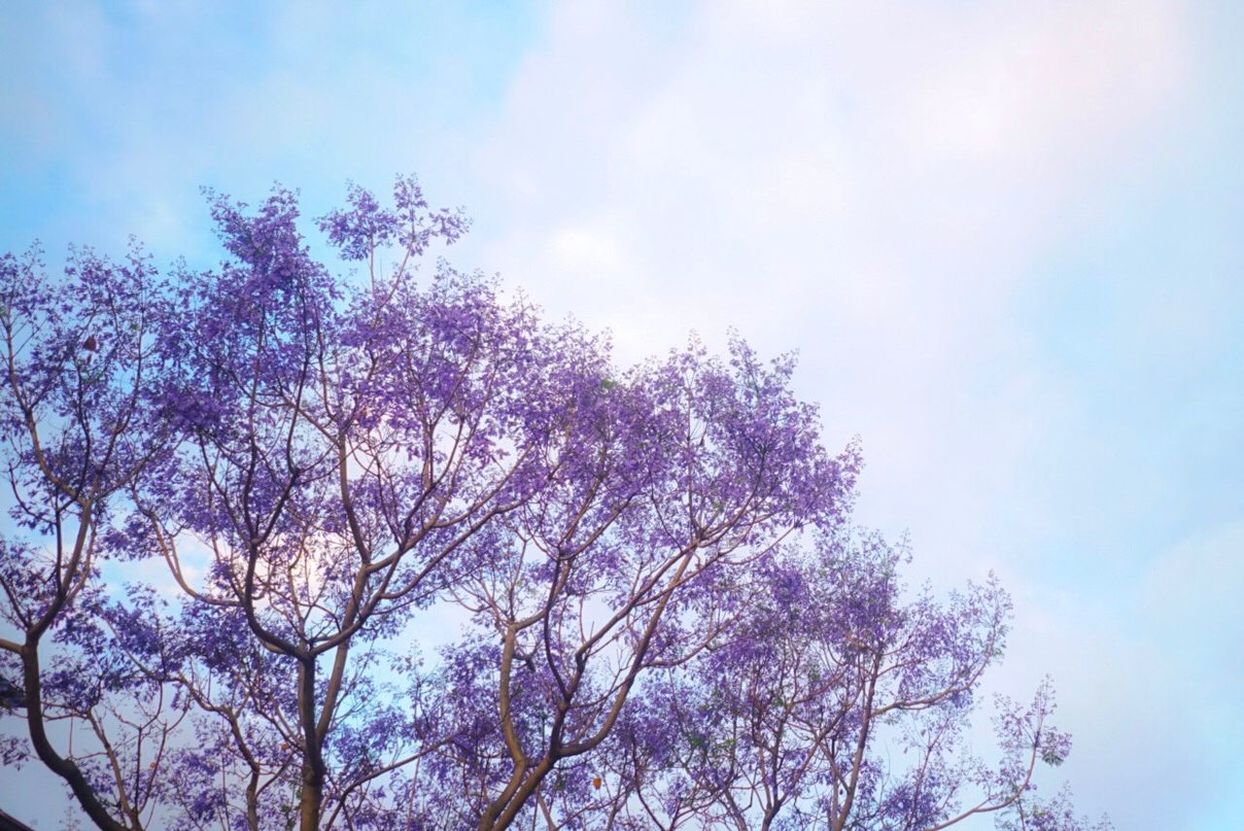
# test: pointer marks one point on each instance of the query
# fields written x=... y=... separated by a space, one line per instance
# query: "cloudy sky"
x=1005 y=239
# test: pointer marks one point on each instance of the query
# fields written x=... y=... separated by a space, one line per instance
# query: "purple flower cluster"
x=668 y=618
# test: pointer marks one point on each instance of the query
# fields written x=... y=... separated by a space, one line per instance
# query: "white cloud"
x=866 y=182
x=870 y=183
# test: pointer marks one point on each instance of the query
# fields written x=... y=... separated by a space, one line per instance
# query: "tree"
x=668 y=618
x=795 y=717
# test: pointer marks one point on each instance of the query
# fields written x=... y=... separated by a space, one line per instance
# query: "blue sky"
x=1004 y=237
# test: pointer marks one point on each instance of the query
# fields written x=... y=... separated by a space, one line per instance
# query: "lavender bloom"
x=669 y=619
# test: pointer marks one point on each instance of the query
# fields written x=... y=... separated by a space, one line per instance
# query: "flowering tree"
x=666 y=617
x=831 y=704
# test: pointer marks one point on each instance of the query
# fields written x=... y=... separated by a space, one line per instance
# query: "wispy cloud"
x=883 y=186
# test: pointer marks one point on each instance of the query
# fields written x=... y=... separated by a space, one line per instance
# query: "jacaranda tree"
x=241 y=498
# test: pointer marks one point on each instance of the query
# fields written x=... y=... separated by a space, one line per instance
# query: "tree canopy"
x=422 y=559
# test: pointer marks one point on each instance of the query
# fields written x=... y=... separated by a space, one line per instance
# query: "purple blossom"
x=669 y=617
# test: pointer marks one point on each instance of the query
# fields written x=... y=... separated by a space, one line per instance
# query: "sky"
x=1003 y=237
